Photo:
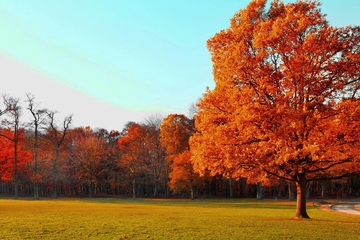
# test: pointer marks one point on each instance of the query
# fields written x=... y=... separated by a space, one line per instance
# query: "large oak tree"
x=286 y=99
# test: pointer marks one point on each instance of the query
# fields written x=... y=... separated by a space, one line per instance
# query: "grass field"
x=168 y=219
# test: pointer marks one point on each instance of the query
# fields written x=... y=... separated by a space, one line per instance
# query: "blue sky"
x=113 y=61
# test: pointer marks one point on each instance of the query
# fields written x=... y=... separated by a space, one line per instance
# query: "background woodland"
x=48 y=157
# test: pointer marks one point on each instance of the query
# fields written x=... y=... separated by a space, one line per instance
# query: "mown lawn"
x=168 y=219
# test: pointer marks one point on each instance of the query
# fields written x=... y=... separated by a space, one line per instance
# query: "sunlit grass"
x=168 y=219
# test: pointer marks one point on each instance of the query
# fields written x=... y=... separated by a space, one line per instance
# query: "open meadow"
x=106 y=218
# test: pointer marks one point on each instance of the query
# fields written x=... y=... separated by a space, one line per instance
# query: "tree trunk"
x=54 y=192
x=167 y=188
x=156 y=190
x=90 y=189
x=134 y=188
x=259 y=191
x=16 y=177
x=55 y=173
x=291 y=192
x=230 y=188
x=308 y=185
x=192 y=192
x=323 y=188
x=36 y=190
x=279 y=189
x=301 y=198
x=16 y=187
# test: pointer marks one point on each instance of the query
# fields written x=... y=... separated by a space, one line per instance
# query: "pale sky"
x=113 y=61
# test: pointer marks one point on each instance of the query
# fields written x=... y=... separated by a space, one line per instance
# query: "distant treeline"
x=50 y=158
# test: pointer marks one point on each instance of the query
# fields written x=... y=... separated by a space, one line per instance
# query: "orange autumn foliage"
x=133 y=150
x=175 y=132
x=286 y=100
x=182 y=176
x=89 y=153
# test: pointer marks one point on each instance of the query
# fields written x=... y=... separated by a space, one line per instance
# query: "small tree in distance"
x=286 y=99
x=89 y=153
x=175 y=132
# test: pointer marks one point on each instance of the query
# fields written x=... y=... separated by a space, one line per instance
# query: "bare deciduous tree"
x=58 y=136
x=38 y=121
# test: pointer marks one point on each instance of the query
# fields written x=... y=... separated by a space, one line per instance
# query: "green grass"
x=168 y=219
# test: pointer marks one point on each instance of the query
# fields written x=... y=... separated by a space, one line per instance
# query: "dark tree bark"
x=259 y=191
x=192 y=190
x=231 y=195
x=134 y=188
x=291 y=192
x=301 y=198
x=323 y=188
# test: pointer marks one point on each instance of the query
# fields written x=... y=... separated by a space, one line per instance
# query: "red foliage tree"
x=7 y=162
x=16 y=135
